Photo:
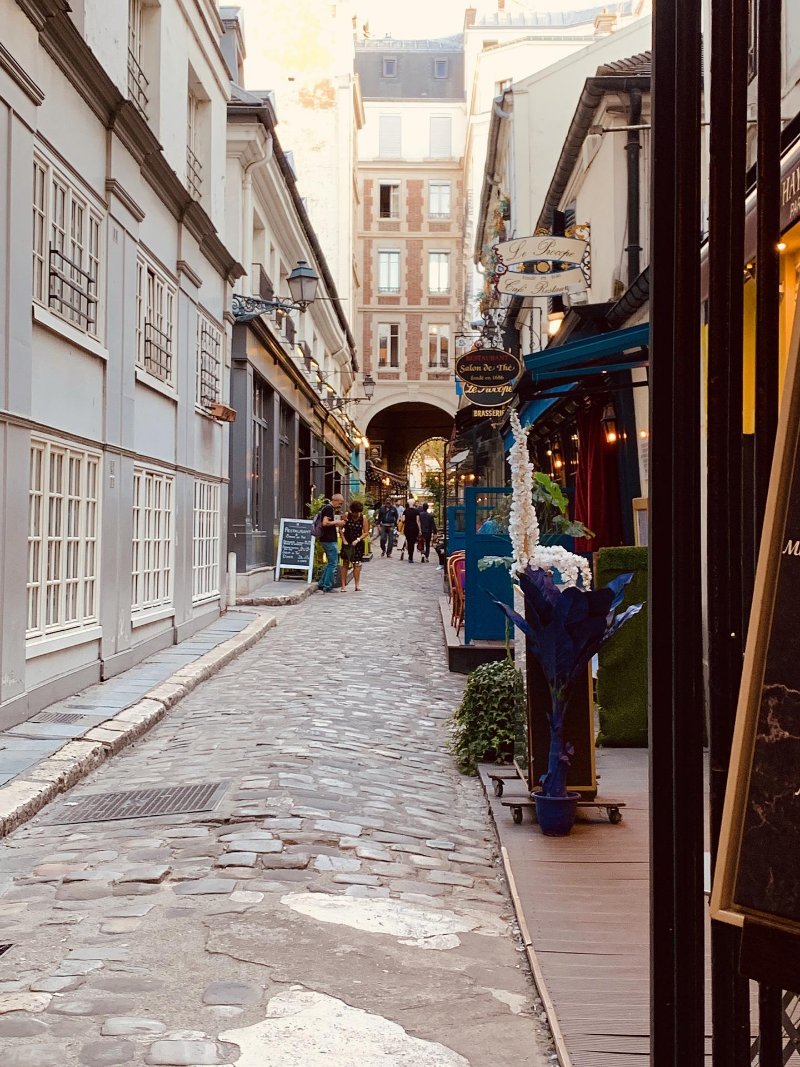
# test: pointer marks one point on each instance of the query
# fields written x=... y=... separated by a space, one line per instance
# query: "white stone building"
x=115 y=292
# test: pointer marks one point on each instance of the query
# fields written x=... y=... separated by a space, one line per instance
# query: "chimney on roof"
x=470 y=15
x=604 y=24
x=501 y=5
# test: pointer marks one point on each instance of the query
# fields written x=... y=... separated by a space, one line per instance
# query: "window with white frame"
x=389 y=136
x=389 y=271
x=438 y=272
x=439 y=200
x=388 y=67
x=137 y=82
x=194 y=168
x=438 y=345
x=63 y=538
x=389 y=200
x=67 y=231
x=205 y=538
x=388 y=344
x=209 y=362
x=440 y=68
x=441 y=137
x=155 y=321
x=153 y=521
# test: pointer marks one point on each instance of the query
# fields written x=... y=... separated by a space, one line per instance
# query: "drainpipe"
x=634 y=147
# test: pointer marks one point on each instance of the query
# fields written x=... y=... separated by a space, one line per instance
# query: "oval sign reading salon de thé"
x=487 y=368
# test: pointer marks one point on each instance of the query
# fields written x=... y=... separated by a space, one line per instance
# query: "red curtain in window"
x=597 y=490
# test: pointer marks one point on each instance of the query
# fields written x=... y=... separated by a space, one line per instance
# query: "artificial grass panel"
x=622 y=662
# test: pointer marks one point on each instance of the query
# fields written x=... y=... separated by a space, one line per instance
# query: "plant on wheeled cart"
x=565 y=624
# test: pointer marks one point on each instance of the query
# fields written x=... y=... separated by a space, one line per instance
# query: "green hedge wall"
x=622 y=670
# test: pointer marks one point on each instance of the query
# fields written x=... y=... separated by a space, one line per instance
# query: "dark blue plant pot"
x=556 y=815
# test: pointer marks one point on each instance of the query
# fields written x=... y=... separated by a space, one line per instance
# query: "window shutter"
x=389 y=142
x=441 y=138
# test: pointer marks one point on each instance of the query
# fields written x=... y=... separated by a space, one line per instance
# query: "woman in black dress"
x=354 y=533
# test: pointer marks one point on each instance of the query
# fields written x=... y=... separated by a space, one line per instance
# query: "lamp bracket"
x=247 y=308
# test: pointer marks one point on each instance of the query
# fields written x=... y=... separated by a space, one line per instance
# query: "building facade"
x=410 y=239
x=291 y=373
x=116 y=292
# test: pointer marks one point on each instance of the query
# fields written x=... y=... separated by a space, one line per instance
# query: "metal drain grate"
x=4 y=949
x=141 y=803
x=58 y=716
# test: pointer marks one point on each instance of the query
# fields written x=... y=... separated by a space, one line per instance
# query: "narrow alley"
x=341 y=904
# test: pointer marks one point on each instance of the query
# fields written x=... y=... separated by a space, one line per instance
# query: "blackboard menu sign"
x=757 y=880
x=295 y=547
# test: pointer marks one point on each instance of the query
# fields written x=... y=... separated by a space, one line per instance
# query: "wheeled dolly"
x=520 y=804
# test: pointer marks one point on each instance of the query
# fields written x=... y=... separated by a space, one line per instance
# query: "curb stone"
x=27 y=794
x=278 y=601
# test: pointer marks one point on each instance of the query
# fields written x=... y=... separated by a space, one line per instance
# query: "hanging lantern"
x=608 y=421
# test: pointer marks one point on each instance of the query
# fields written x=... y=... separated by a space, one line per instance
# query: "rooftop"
x=551 y=19
x=635 y=65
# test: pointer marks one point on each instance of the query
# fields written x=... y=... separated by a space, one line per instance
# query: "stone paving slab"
x=38 y=760
x=320 y=951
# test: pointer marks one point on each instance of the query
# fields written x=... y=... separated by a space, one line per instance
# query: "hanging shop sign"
x=790 y=194
x=494 y=397
x=757 y=876
x=552 y=283
x=295 y=547
x=487 y=368
x=541 y=247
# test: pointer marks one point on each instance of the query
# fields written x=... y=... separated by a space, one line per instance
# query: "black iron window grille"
x=209 y=369
x=137 y=85
x=194 y=174
x=157 y=352
x=70 y=290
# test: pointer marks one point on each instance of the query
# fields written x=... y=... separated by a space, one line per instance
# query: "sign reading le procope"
x=487 y=368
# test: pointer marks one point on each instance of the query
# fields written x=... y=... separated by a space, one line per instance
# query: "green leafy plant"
x=551 y=505
x=491 y=716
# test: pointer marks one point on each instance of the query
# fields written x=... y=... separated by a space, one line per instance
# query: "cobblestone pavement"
x=341 y=905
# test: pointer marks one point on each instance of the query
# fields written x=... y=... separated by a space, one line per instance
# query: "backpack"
x=316 y=525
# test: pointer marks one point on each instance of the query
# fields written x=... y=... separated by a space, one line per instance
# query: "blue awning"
x=586 y=355
x=535 y=408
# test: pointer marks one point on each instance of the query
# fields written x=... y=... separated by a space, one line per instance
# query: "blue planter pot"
x=556 y=815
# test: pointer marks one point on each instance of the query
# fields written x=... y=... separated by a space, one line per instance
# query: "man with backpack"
x=326 y=529
x=387 y=520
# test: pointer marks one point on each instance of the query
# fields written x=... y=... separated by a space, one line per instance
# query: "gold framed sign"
x=757 y=877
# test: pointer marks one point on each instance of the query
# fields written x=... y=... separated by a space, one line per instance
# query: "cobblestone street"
x=342 y=905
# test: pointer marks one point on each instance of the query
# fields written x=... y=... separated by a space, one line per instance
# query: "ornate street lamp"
x=302 y=283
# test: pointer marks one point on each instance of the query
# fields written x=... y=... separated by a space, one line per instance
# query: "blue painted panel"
x=483 y=620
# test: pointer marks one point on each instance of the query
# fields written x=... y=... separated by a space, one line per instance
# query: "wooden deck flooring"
x=585 y=902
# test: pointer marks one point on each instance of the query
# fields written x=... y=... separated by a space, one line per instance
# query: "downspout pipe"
x=633 y=148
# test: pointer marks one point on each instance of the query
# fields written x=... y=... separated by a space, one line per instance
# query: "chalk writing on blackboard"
x=295 y=547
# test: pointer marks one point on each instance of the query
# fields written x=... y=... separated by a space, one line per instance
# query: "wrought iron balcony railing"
x=194 y=174
x=70 y=290
x=137 y=85
x=157 y=352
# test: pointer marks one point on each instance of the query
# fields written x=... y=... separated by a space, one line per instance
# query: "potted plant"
x=490 y=718
x=564 y=625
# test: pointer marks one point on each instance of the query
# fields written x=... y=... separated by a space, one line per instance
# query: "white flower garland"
x=523 y=525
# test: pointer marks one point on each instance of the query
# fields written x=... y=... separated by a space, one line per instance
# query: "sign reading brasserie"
x=488 y=367
x=540 y=247
x=552 y=283
x=757 y=876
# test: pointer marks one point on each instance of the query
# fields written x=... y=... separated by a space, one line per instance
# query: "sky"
x=438 y=18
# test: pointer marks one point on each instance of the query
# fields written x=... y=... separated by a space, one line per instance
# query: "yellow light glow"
x=781 y=246
x=611 y=436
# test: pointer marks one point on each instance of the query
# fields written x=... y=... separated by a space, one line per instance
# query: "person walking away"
x=427 y=528
x=411 y=528
x=329 y=540
x=387 y=521
x=354 y=534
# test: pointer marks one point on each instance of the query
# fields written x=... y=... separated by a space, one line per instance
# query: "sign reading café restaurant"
x=486 y=368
